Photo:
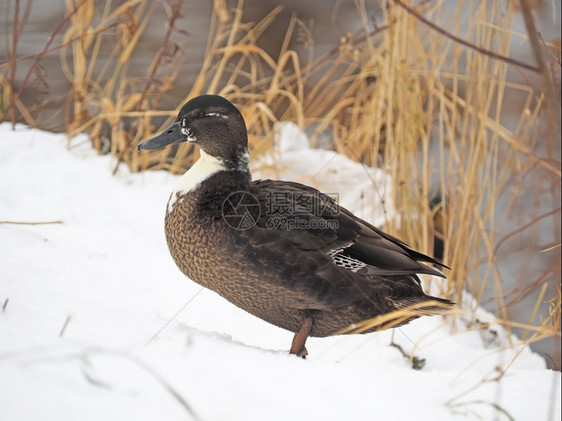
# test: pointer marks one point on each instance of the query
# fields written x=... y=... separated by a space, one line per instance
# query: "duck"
x=282 y=251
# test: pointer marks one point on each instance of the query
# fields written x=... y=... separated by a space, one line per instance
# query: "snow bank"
x=99 y=324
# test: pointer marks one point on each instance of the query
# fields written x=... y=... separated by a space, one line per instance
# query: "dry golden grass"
x=398 y=317
x=403 y=96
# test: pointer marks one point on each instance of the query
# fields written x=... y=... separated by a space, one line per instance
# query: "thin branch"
x=30 y=223
x=548 y=85
x=461 y=41
x=174 y=15
x=13 y=60
x=524 y=227
x=15 y=36
x=64 y=325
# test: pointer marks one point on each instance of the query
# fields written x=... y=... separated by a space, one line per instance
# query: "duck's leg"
x=299 y=340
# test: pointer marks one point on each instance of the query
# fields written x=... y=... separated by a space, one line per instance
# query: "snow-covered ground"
x=97 y=323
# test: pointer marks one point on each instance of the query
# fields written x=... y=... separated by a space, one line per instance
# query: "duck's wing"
x=312 y=220
x=324 y=253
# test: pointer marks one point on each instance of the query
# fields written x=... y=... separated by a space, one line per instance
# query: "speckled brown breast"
x=205 y=249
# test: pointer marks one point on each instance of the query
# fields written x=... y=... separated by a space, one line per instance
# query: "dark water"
x=323 y=22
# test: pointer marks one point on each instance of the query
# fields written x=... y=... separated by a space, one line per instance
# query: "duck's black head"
x=211 y=122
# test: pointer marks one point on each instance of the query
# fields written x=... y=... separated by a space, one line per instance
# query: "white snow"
x=139 y=341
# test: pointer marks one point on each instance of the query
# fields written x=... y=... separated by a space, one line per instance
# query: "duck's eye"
x=201 y=114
